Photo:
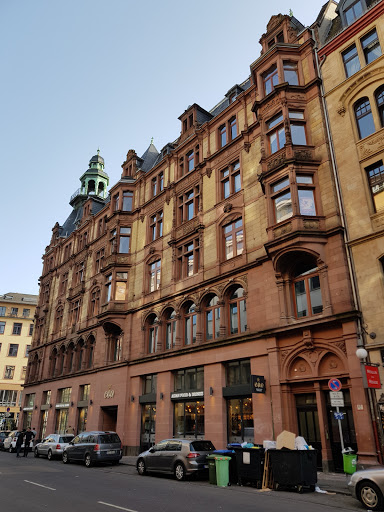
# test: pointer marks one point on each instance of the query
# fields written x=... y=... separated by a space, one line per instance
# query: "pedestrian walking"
x=29 y=435
x=19 y=442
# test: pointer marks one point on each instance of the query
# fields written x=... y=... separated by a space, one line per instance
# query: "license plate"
x=205 y=466
x=111 y=452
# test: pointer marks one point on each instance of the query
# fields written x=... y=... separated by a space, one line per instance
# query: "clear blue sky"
x=83 y=74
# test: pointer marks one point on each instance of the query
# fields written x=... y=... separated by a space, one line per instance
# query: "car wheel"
x=370 y=496
x=49 y=455
x=36 y=452
x=179 y=471
x=65 y=458
x=88 y=460
x=141 y=469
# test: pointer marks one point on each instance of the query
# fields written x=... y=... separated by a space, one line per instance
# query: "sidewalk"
x=331 y=482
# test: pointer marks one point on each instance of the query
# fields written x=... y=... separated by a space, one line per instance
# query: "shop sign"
x=189 y=394
x=62 y=406
x=27 y=408
x=373 y=377
x=258 y=383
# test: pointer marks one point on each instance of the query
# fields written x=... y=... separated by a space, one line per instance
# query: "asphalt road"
x=35 y=485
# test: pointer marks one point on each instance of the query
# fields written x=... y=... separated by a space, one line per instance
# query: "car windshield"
x=65 y=439
x=202 y=446
x=109 y=438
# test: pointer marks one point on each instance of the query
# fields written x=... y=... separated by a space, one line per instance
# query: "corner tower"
x=94 y=182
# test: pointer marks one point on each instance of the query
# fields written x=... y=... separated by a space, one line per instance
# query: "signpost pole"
x=340 y=432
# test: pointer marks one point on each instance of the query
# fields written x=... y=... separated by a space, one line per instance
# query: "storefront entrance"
x=109 y=418
x=148 y=426
x=240 y=420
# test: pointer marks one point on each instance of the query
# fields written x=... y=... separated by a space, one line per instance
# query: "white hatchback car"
x=10 y=442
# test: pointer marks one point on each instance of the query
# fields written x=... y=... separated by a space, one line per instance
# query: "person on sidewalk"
x=27 y=439
x=19 y=442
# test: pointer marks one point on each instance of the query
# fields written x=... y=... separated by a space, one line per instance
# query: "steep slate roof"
x=149 y=157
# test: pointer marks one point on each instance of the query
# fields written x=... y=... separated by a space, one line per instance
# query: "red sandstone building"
x=208 y=294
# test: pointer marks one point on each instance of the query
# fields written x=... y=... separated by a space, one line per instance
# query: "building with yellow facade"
x=17 y=312
x=350 y=56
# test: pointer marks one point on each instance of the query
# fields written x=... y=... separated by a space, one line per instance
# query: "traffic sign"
x=337 y=398
x=8 y=409
x=338 y=415
x=334 y=384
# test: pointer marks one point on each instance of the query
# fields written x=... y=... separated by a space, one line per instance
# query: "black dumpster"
x=250 y=465
x=296 y=469
x=232 y=464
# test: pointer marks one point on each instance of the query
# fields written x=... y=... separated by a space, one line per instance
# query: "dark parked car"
x=180 y=457
x=3 y=434
x=94 y=447
x=53 y=445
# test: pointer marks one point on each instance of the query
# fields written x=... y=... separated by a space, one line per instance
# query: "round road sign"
x=334 y=384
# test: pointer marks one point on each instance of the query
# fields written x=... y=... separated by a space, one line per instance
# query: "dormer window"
x=276 y=39
x=190 y=121
x=353 y=12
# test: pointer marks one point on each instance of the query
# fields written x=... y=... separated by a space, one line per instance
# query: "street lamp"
x=361 y=353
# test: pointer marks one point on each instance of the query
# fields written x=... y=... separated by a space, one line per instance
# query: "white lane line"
x=116 y=506
x=45 y=487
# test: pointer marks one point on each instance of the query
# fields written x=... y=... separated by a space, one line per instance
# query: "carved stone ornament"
x=341 y=110
x=372 y=146
x=227 y=207
x=341 y=346
x=247 y=146
x=142 y=217
x=275 y=162
x=311 y=224
x=151 y=250
x=284 y=354
x=208 y=171
x=274 y=21
x=287 y=228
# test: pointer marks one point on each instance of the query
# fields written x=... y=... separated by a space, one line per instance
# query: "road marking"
x=45 y=487
x=116 y=506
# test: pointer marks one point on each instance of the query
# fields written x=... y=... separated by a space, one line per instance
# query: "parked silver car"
x=94 y=447
x=367 y=486
x=53 y=445
x=180 y=457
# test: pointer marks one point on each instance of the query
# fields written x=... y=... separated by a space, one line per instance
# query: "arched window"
x=364 y=118
x=237 y=312
x=190 y=323
x=80 y=354
x=152 y=330
x=70 y=357
x=61 y=358
x=170 y=328
x=91 y=186
x=59 y=318
x=379 y=95
x=53 y=362
x=212 y=318
x=90 y=351
x=306 y=289
x=95 y=302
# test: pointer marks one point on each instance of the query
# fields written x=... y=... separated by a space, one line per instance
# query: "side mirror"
x=152 y=450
